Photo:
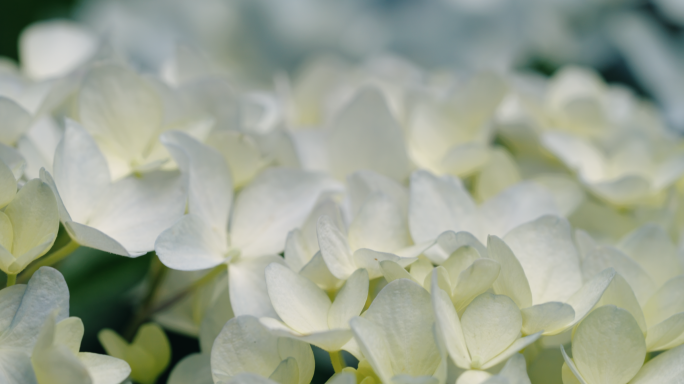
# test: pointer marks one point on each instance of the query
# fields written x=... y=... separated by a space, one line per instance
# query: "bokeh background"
x=636 y=43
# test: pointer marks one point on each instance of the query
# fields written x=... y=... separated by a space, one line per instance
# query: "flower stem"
x=337 y=361
x=51 y=259
x=11 y=279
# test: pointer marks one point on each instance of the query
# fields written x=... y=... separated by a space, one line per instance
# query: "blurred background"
x=636 y=43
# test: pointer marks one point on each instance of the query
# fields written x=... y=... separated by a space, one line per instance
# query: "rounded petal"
x=608 y=346
x=491 y=323
x=298 y=301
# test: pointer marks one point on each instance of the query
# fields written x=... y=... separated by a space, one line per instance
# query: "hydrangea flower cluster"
x=417 y=227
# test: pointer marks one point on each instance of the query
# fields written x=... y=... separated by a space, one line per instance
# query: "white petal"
x=666 y=334
x=449 y=328
x=244 y=345
x=10 y=299
x=449 y=242
x=625 y=190
x=287 y=372
x=549 y=258
x=608 y=346
x=93 y=238
x=604 y=257
x=473 y=281
x=653 y=249
x=400 y=306
x=210 y=188
x=375 y=348
x=190 y=245
x=548 y=317
x=15 y=120
x=52 y=49
x=317 y=271
x=247 y=286
x=666 y=368
x=515 y=370
x=194 y=368
x=620 y=294
x=335 y=249
x=8 y=185
x=34 y=217
x=437 y=205
x=81 y=174
x=370 y=260
x=136 y=210
x=491 y=323
x=121 y=110
x=512 y=281
x=359 y=130
x=379 y=225
x=105 y=369
x=349 y=301
x=514 y=206
x=577 y=154
x=514 y=348
x=46 y=293
x=362 y=184
x=589 y=294
x=298 y=301
x=276 y=202
x=665 y=302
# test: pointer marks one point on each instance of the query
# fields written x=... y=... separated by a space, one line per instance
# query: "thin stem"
x=11 y=279
x=337 y=361
x=51 y=259
x=147 y=311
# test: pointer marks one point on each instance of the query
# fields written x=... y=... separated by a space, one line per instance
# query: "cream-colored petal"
x=665 y=302
x=584 y=300
x=121 y=110
x=349 y=301
x=549 y=258
x=620 y=294
x=34 y=217
x=548 y=317
x=69 y=332
x=335 y=248
x=666 y=368
x=473 y=281
x=403 y=305
x=105 y=369
x=491 y=323
x=439 y=204
x=511 y=281
x=666 y=334
x=359 y=130
x=608 y=346
x=653 y=249
x=449 y=328
x=8 y=185
x=299 y=302
x=604 y=257
x=379 y=225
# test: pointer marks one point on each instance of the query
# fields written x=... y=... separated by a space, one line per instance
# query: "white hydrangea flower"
x=23 y=311
x=246 y=350
x=451 y=134
x=439 y=204
x=52 y=49
x=513 y=372
x=607 y=347
x=277 y=201
x=56 y=357
x=123 y=217
x=541 y=273
x=307 y=313
x=28 y=224
x=350 y=141
x=396 y=335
